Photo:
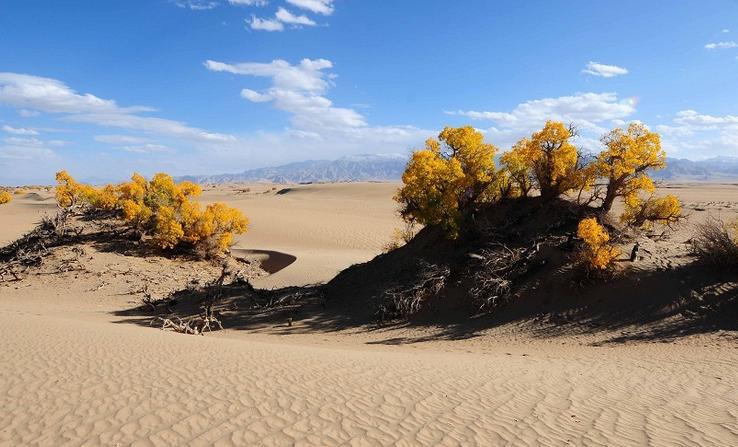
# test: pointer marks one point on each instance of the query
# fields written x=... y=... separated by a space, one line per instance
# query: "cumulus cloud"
x=603 y=70
x=19 y=130
x=583 y=109
x=695 y=119
x=721 y=45
x=698 y=135
x=53 y=96
x=300 y=90
x=588 y=111
x=308 y=75
x=324 y=7
x=287 y=17
x=260 y=24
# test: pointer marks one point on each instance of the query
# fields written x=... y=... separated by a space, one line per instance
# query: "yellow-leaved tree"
x=599 y=253
x=625 y=163
x=548 y=161
x=448 y=179
x=161 y=208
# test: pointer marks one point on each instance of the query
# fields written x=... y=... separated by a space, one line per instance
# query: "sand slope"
x=96 y=383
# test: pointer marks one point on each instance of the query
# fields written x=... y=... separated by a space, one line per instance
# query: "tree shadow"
x=640 y=306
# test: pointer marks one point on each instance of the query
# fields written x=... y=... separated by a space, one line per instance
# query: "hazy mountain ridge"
x=381 y=167
x=389 y=167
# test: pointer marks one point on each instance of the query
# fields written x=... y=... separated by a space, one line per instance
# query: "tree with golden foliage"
x=547 y=160
x=598 y=254
x=628 y=156
x=161 y=208
x=517 y=167
x=69 y=192
x=5 y=197
x=645 y=213
x=448 y=179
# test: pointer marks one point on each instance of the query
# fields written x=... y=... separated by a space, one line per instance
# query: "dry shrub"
x=400 y=237
x=715 y=243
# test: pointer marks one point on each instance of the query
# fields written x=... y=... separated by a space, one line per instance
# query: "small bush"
x=715 y=243
x=598 y=253
x=5 y=197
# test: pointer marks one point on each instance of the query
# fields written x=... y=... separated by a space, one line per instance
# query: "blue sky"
x=104 y=88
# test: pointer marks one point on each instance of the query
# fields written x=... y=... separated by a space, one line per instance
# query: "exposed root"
x=30 y=250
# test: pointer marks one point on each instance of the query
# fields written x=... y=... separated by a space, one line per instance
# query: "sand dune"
x=97 y=383
x=326 y=227
x=74 y=373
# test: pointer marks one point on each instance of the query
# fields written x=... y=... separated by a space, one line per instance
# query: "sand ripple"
x=93 y=383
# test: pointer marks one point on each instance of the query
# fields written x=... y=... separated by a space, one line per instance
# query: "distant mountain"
x=711 y=169
x=354 y=168
x=389 y=167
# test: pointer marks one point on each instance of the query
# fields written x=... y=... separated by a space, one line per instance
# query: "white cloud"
x=196 y=5
x=583 y=109
x=287 y=17
x=298 y=90
x=692 y=118
x=698 y=135
x=588 y=111
x=725 y=31
x=152 y=125
x=23 y=148
x=307 y=76
x=721 y=45
x=19 y=130
x=317 y=125
x=51 y=95
x=603 y=70
x=260 y=24
x=248 y=2
x=324 y=7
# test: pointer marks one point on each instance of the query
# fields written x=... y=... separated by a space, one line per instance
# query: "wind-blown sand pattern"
x=105 y=384
x=73 y=373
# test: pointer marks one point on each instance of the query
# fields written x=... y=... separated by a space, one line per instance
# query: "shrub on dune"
x=160 y=208
x=5 y=197
x=598 y=253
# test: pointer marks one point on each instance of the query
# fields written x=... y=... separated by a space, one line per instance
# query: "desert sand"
x=75 y=371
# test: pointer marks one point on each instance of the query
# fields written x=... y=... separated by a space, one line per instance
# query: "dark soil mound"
x=507 y=245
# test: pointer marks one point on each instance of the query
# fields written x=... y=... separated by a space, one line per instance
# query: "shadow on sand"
x=641 y=306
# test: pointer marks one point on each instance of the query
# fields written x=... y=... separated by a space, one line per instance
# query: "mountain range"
x=389 y=167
